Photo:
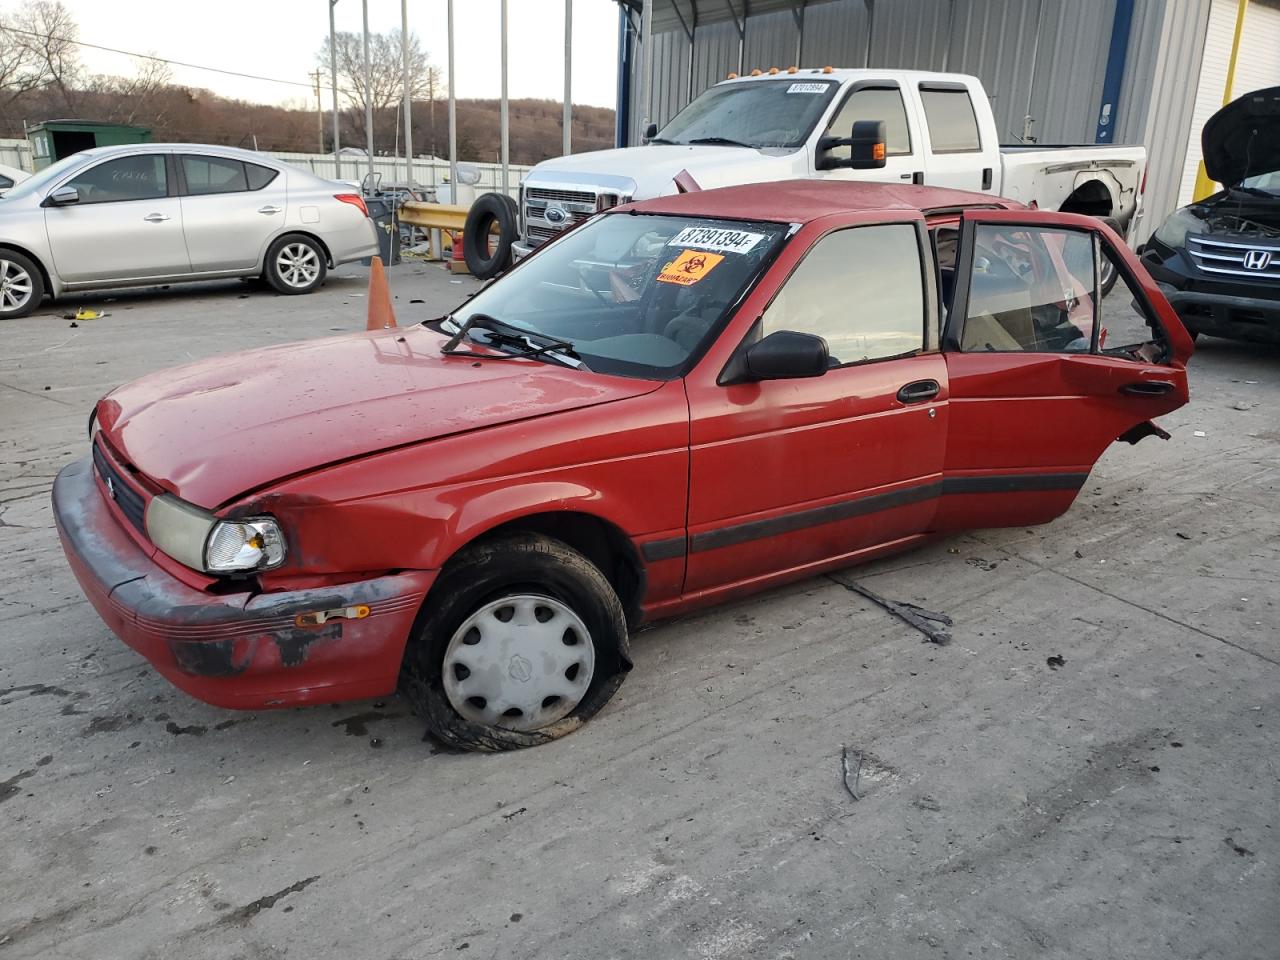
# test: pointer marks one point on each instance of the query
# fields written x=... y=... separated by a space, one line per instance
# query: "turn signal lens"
x=878 y=151
x=238 y=546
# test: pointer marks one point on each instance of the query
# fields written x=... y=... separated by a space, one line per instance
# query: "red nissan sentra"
x=674 y=404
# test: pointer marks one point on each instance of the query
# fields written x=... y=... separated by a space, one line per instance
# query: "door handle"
x=918 y=177
x=919 y=391
x=988 y=176
x=1148 y=388
x=269 y=209
x=155 y=218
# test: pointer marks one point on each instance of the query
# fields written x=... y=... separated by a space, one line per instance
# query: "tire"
x=488 y=210
x=21 y=285
x=461 y=666
x=295 y=264
x=1109 y=273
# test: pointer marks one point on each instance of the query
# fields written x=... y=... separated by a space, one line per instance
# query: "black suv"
x=1218 y=261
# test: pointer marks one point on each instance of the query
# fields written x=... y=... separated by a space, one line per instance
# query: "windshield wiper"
x=505 y=334
x=1255 y=191
x=724 y=141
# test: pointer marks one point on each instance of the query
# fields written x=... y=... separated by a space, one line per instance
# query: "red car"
x=676 y=403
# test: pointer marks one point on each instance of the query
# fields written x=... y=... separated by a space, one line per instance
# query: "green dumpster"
x=54 y=139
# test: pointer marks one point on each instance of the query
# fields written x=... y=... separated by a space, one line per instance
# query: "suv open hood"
x=218 y=428
x=1243 y=138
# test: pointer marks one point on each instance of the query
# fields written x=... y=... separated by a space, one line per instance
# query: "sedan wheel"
x=21 y=286
x=522 y=640
x=295 y=264
x=521 y=662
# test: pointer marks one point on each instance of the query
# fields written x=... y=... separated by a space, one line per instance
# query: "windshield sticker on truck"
x=688 y=268
x=807 y=88
x=710 y=238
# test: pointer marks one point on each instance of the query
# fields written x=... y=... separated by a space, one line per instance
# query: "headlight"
x=199 y=540
x=1173 y=232
x=236 y=546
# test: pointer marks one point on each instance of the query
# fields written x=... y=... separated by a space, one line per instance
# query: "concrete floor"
x=1122 y=805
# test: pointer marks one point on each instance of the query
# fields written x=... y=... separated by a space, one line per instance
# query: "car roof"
x=212 y=149
x=799 y=201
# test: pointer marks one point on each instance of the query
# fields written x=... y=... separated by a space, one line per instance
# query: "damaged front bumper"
x=242 y=650
x=1254 y=319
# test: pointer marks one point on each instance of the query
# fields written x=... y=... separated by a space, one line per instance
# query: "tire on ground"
x=276 y=274
x=488 y=571
x=13 y=267
x=488 y=210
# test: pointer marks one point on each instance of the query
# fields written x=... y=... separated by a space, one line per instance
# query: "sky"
x=280 y=38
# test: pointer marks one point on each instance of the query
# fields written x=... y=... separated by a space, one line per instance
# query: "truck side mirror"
x=651 y=131
x=866 y=144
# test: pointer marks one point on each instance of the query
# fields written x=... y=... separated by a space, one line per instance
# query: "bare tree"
x=384 y=88
x=126 y=99
x=38 y=51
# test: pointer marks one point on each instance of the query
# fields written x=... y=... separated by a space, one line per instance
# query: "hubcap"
x=297 y=265
x=15 y=286
x=521 y=662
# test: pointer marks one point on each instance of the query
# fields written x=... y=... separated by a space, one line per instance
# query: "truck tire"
x=481 y=685
x=488 y=256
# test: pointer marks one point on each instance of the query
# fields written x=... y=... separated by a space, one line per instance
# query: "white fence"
x=426 y=172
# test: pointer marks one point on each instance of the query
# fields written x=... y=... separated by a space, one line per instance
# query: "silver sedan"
x=164 y=213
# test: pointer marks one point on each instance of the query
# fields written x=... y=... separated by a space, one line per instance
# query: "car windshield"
x=633 y=294
x=1264 y=181
x=757 y=113
x=39 y=181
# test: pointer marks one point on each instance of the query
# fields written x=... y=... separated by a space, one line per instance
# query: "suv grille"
x=126 y=496
x=1235 y=258
x=562 y=196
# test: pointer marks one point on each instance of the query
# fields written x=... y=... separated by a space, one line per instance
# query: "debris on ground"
x=1056 y=661
x=844 y=768
x=1199 y=433
x=926 y=621
x=1243 y=405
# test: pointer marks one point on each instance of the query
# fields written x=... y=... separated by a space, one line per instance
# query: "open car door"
x=1046 y=369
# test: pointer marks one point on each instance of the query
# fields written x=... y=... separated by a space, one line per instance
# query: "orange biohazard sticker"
x=690 y=267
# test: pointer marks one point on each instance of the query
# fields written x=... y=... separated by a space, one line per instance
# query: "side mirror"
x=786 y=355
x=62 y=197
x=651 y=131
x=866 y=144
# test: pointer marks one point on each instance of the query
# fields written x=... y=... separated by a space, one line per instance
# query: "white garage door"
x=1257 y=66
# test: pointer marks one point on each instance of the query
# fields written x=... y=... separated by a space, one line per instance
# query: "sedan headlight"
x=1173 y=232
x=199 y=540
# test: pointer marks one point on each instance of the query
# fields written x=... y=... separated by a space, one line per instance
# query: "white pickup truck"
x=939 y=130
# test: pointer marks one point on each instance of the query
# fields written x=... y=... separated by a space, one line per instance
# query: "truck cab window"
x=953 y=126
x=873 y=103
x=861 y=290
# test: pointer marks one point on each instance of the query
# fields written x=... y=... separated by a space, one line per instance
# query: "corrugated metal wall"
x=1042 y=58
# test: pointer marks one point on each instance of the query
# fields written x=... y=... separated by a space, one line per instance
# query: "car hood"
x=222 y=427
x=650 y=171
x=1243 y=138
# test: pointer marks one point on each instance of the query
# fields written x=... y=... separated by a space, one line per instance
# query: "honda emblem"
x=1257 y=259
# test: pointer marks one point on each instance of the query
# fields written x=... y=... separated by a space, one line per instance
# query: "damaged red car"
x=674 y=404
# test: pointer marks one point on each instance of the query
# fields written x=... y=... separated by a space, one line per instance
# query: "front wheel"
x=21 y=285
x=295 y=264
x=521 y=642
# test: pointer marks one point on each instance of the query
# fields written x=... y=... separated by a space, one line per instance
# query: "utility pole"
x=333 y=80
x=453 y=116
x=566 y=147
x=503 y=119
x=319 y=110
x=368 y=94
x=404 y=63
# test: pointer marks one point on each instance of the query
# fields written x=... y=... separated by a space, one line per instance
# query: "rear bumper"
x=356 y=242
x=240 y=650
x=1222 y=315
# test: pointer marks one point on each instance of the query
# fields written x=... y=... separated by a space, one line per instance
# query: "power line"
x=176 y=63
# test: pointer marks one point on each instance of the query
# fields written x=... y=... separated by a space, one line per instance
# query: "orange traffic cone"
x=458 y=262
x=382 y=315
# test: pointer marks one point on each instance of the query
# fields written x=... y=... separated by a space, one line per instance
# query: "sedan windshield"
x=756 y=113
x=630 y=294
x=1270 y=182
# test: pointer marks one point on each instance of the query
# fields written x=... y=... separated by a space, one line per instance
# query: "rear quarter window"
x=953 y=126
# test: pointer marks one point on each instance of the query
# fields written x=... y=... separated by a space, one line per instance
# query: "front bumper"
x=1220 y=315
x=241 y=650
x=520 y=250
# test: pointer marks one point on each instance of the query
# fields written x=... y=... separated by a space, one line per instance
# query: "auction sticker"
x=690 y=267
x=715 y=238
x=808 y=88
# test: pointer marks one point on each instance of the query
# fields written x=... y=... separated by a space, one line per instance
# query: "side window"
x=213 y=175
x=259 y=177
x=5 y=182
x=861 y=290
x=953 y=126
x=128 y=178
x=1030 y=290
x=874 y=104
x=1125 y=327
